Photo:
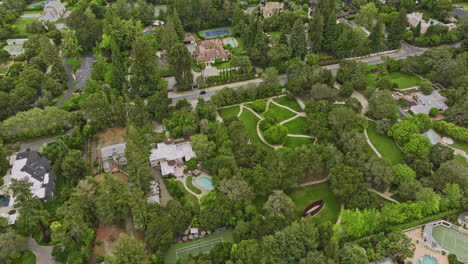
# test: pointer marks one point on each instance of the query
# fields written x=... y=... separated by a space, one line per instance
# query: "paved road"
x=405 y=51
x=81 y=76
x=43 y=253
x=165 y=196
x=36 y=144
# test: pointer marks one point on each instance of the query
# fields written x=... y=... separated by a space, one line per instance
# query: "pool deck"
x=421 y=249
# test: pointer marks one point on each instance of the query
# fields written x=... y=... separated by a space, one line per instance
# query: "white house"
x=170 y=155
x=53 y=11
x=35 y=169
x=113 y=156
x=427 y=102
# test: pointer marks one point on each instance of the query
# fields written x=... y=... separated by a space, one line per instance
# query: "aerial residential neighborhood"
x=234 y=131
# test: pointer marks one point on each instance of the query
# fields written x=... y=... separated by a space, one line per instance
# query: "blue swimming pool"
x=4 y=200
x=431 y=136
x=205 y=182
x=30 y=15
x=426 y=259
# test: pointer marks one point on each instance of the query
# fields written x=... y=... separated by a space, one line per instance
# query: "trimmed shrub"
x=454 y=131
x=433 y=112
x=276 y=134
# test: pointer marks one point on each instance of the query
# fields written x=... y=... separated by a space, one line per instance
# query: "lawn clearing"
x=191 y=186
x=195 y=247
x=19 y=27
x=249 y=120
x=460 y=145
x=461 y=160
x=384 y=144
x=302 y=197
x=281 y=113
x=289 y=102
x=240 y=48
x=294 y=142
x=403 y=80
x=296 y=126
x=229 y=112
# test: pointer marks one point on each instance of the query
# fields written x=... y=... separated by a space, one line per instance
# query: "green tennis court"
x=452 y=240
x=195 y=247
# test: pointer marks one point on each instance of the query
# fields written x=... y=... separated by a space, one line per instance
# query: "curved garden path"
x=362 y=100
x=338 y=221
x=386 y=195
x=313 y=182
x=371 y=145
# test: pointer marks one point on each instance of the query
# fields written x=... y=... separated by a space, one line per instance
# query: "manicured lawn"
x=171 y=256
x=239 y=48
x=281 y=113
x=384 y=144
x=27 y=257
x=20 y=27
x=460 y=145
x=223 y=65
x=250 y=123
x=296 y=126
x=461 y=160
x=289 y=102
x=302 y=197
x=403 y=80
x=229 y=112
x=324 y=56
x=201 y=33
x=371 y=151
x=191 y=186
x=294 y=142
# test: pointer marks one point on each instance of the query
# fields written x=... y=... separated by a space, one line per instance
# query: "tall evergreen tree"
x=177 y=25
x=316 y=31
x=298 y=41
x=119 y=70
x=330 y=32
x=377 y=37
x=181 y=65
x=396 y=28
x=145 y=79
x=138 y=168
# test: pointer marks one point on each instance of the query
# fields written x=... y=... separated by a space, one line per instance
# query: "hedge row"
x=454 y=131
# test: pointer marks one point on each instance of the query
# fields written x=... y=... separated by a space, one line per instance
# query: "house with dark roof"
x=30 y=166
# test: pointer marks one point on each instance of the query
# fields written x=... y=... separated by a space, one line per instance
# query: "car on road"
x=202 y=92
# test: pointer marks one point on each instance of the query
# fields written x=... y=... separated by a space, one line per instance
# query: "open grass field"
x=296 y=126
x=302 y=197
x=452 y=240
x=461 y=160
x=250 y=123
x=403 y=80
x=384 y=144
x=294 y=142
x=281 y=113
x=195 y=247
x=229 y=112
x=289 y=102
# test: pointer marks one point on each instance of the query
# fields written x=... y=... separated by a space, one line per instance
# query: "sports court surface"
x=217 y=33
x=452 y=240
x=195 y=247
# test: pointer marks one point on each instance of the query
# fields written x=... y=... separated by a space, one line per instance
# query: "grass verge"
x=384 y=144
x=289 y=102
x=296 y=126
x=281 y=113
x=249 y=120
x=190 y=185
x=461 y=160
x=229 y=112
x=294 y=142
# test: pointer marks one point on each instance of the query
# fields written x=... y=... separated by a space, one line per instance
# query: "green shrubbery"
x=258 y=106
x=454 y=131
